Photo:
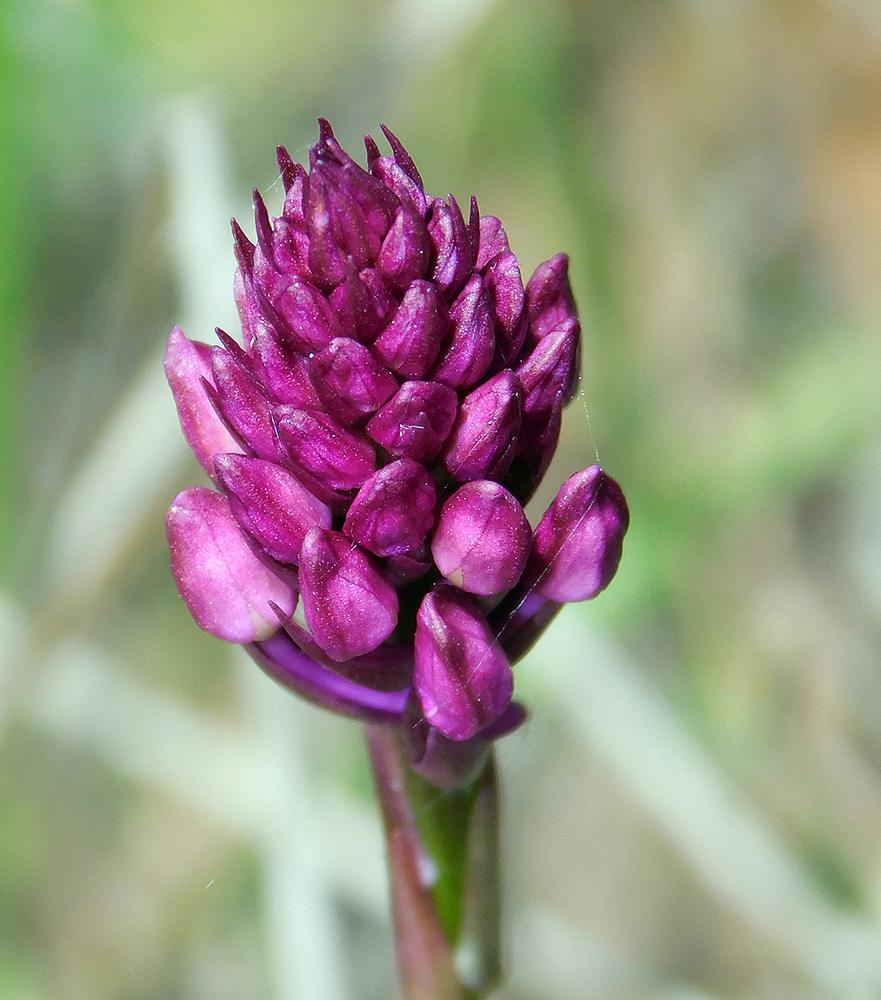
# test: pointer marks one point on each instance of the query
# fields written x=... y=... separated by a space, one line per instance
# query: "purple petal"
x=187 y=363
x=350 y=606
x=452 y=246
x=351 y=383
x=549 y=300
x=484 y=438
x=578 y=541
x=228 y=588
x=394 y=510
x=482 y=539
x=243 y=404
x=416 y=421
x=411 y=341
x=461 y=675
x=469 y=354
x=406 y=250
x=271 y=504
x=337 y=458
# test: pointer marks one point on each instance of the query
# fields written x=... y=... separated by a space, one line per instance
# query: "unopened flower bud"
x=349 y=604
x=482 y=538
x=394 y=510
x=461 y=675
x=577 y=543
x=229 y=590
x=271 y=504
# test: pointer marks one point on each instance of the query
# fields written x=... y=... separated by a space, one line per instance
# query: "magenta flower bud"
x=397 y=173
x=229 y=589
x=350 y=606
x=482 y=538
x=310 y=321
x=394 y=510
x=461 y=675
x=363 y=304
x=188 y=367
x=242 y=403
x=577 y=543
x=284 y=373
x=350 y=382
x=406 y=250
x=549 y=300
x=270 y=504
x=470 y=351
x=484 y=437
x=452 y=246
x=416 y=421
x=390 y=353
x=317 y=445
x=411 y=342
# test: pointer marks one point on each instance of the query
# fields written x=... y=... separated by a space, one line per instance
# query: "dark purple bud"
x=452 y=763
x=416 y=421
x=553 y=367
x=505 y=286
x=549 y=300
x=482 y=539
x=461 y=675
x=187 y=364
x=351 y=383
x=398 y=173
x=334 y=458
x=394 y=510
x=290 y=172
x=484 y=438
x=243 y=404
x=469 y=354
x=406 y=250
x=229 y=590
x=291 y=248
x=363 y=304
x=493 y=241
x=578 y=541
x=338 y=230
x=452 y=247
x=280 y=370
x=411 y=342
x=350 y=606
x=310 y=322
x=270 y=504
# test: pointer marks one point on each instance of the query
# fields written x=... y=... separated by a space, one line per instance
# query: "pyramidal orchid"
x=393 y=402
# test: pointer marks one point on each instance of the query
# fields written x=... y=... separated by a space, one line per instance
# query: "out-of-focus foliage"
x=694 y=809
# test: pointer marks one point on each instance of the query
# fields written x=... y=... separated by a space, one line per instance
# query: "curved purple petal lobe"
x=339 y=458
x=229 y=590
x=350 y=382
x=243 y=404
x=350 y=606
x=484 y=439
x=394 y=510
x=577 y=543
x=461 y=675
x=270 y=504
x=467 y=357
x=416 y=421
x=549 y=299
x=411 y=342
x=187 y=363
x=482 y=538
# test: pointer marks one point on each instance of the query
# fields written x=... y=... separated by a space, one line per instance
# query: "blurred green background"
x=694 y=808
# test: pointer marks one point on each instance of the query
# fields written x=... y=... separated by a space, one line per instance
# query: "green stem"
x=443 y=873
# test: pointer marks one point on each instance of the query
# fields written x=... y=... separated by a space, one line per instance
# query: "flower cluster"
x=395 y=402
